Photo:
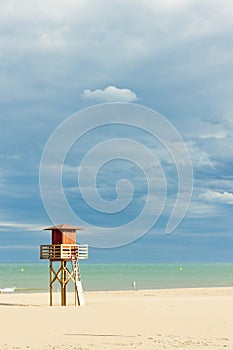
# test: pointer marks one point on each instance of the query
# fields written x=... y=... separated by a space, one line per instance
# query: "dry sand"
x=159 y=319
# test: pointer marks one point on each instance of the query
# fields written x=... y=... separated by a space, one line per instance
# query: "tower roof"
x=63 y=227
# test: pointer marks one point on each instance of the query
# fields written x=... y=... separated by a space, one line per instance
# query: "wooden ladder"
x=78 y=283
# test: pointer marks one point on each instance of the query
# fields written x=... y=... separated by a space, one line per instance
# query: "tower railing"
x=64 y=251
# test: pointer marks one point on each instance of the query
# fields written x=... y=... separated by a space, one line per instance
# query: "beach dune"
x=200 y=318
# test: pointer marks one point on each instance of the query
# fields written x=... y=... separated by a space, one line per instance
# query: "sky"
x=60 y=58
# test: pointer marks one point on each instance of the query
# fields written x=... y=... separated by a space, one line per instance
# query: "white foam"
x=7 y=290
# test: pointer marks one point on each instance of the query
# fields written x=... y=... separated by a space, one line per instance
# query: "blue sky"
x=174 y=57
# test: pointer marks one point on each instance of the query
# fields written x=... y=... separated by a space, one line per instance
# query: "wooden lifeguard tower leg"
x=51 y=282
x=63 y=283
x=60 y=276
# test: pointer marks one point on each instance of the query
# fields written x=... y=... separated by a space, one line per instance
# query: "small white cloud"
x=110 y=94
x=220 y=197
x=19 y=226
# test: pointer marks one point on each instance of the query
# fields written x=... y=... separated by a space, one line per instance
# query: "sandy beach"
x=199 y=318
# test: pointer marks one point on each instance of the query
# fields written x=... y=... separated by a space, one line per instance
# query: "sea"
x=34 y=277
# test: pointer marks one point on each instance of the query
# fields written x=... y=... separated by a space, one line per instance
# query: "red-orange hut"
x=63 y=234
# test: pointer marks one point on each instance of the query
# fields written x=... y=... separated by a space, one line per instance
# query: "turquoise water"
x=35 y=277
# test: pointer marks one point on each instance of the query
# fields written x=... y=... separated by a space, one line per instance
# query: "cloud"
x=174 y=54
x=110 y=94
x=19 y=226
x=49 y=52
x=219 y=197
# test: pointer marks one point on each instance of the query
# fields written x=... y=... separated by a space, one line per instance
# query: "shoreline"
x=44 y=291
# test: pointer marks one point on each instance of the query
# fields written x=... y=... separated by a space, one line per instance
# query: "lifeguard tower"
x=65 y=250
